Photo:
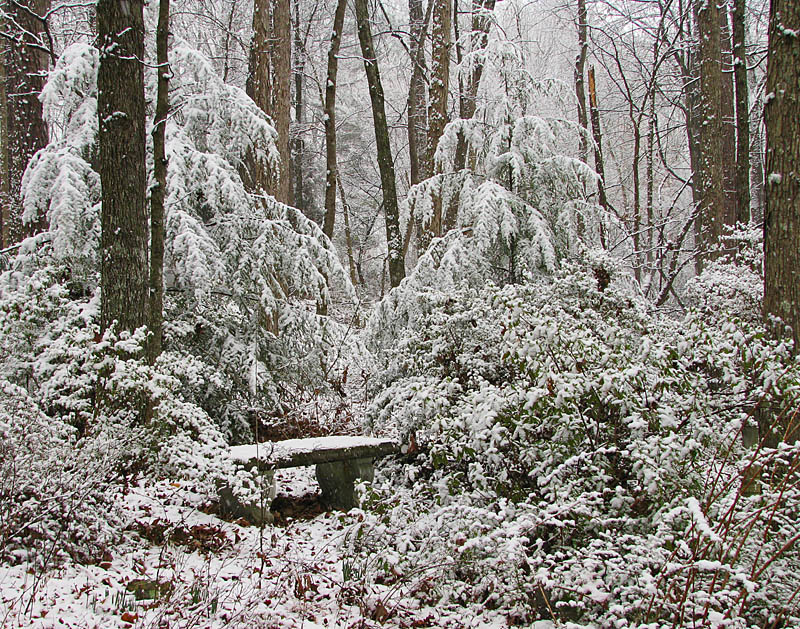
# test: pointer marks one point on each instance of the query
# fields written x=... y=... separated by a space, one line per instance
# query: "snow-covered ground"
x=180 y=567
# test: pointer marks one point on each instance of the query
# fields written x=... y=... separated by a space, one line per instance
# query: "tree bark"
x=782 y=219
x=727 y=98
x=394 y=240
x=299 y=115
x=26 y=62
x=332 y=168
x=438 y=90
x=121 y=109
x=269 y=85
x=259 y=88
x=5 y=190
x=710 y=168
x=738 y=11
x=417 y=119
x=599 y=164
x=282 y=62
x=580 y=65
x=158 y=192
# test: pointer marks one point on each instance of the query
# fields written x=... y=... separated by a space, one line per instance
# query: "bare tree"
x=391 y=212
x=331 y=172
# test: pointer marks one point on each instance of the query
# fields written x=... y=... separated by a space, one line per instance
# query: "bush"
x=580 y=453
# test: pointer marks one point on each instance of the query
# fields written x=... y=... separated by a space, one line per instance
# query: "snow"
x=287 y=449
x=290 y=577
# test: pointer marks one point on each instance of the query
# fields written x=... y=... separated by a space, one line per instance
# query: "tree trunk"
x=121 y=110
x=468 y=98
x=599 y=164
x=26 y=62
x=269 y=85
x=727 y=97
x=348 y=237
x=439 y=88
x=394 y=240
x=738 y=10
x=330 y=120
x=417 y=119
x=259 y=88
x=5 y=196
x=580 y=92
x=299 y=114
x=282 y=98
x=158 y=191
x=711 y=173
x=782 y=219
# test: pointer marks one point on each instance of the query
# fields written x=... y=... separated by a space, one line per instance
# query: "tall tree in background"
x=417 y=119
x=160 y=186
x=580 y=92
x=121 y=109
x=27 y=53
x=468 y=86
x=332 y=169
x=439 y=88
x=710 y=173
x=738 y=11
x=269 y=85
x=782 y=218
x=727 y=213
x=391 y=212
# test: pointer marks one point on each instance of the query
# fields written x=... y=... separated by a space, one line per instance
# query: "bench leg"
x=256 y=512
x=337 y=481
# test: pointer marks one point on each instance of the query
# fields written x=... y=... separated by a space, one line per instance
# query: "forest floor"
x=179 y=567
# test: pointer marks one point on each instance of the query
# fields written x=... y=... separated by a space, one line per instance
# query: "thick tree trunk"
x=121 y=110
x=269 y=85
x=259 y=87
x=330 y=120
x=710 y=168
x=439 y=88
x=394 y=240
x=782 y=219
x=159 y=189
x=26 y=62
x=738 y=10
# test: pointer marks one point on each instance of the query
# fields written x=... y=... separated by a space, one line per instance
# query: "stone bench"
x=340 y=462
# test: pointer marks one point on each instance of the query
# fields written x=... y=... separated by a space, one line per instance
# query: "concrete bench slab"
x=340 y=462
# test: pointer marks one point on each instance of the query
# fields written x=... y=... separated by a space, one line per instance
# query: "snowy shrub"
x=733 y=284
x=570 y=450
x=57 y=497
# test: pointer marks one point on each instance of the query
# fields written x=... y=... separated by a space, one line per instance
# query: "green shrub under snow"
x=575 y=452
